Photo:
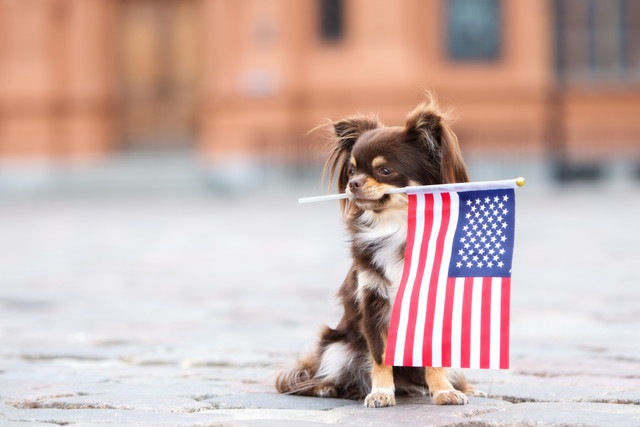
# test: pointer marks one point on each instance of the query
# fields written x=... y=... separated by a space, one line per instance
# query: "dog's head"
x=370 y=158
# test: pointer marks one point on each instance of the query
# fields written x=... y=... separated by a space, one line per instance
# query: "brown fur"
x=367 y=159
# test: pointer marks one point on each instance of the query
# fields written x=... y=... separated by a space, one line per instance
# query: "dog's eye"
x=384 y=171
x=351 y=171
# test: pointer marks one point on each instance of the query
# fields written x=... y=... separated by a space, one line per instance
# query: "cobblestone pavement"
x=179 y=310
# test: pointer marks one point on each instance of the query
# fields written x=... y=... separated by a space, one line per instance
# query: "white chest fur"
x=387 y=233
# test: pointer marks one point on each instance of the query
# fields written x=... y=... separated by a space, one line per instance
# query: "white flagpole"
x=438 y=188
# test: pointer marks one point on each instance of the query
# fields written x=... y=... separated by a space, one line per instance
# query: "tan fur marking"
x=370 y=182
x=378 y=161
x=437 y=380
x=382 y=376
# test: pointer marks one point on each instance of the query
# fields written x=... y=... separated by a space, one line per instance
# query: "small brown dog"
x=368 y=159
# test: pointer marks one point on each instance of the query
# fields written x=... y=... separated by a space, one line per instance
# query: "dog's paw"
x=325 y=391
x=449 y=397
x=380 y=398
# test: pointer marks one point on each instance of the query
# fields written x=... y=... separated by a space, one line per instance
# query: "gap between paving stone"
x=515 y=400
x=611 y=401
x=570 y=374
x=64 y=405
x=136 y=361
x=42 y=404
x=50 y=357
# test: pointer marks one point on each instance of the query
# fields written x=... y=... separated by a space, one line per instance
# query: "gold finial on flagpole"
x=520 y=181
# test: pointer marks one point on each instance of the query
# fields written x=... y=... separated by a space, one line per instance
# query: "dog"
x=369 y=159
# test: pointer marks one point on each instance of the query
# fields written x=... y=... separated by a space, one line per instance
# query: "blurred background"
x=129 y=129
x=220 y=94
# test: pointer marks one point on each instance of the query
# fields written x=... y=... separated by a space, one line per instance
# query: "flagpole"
x=438 y=188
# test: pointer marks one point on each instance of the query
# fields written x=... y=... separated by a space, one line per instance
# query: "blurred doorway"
x=159 y=65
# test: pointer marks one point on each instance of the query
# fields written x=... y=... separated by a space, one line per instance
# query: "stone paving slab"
x=563 y=414
x=133 y=311
x=521 y=388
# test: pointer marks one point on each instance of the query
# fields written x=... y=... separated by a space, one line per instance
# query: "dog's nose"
x=356 y=183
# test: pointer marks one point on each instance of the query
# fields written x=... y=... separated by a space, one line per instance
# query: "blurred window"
x=598 y=40
x=473 y=28
x=331 y=20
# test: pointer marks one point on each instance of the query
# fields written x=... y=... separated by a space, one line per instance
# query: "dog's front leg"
x=441 y=390
x=383 y=391
x=375 y=311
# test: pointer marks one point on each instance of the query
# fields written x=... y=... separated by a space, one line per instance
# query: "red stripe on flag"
x=504 y=322
x=447 y=321
x=415 y=293
x=485 y=324
x=465 y=345
x=395 y=314
x=427 y=348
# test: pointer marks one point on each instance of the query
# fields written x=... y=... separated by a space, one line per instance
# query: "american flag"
x=452 y=305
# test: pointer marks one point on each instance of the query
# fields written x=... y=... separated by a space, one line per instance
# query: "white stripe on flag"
x=456 y=323
x=406 y=298
x=476 y=323
x=442 y=281
x=496 y=316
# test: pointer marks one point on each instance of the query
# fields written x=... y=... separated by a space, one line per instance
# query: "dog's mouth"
x=377 y=200
x=367 y=202
x=374 y=197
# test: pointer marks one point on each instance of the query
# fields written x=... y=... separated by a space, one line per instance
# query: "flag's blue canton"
x=483 y=242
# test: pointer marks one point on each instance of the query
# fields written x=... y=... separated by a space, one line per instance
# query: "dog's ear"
x=348 y=130
x=426 y=125
x=346 y=133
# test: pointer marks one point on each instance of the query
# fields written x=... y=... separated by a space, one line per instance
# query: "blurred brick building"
x=81 y=79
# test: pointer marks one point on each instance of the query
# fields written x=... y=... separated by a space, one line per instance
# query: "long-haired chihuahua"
x=368 y=159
